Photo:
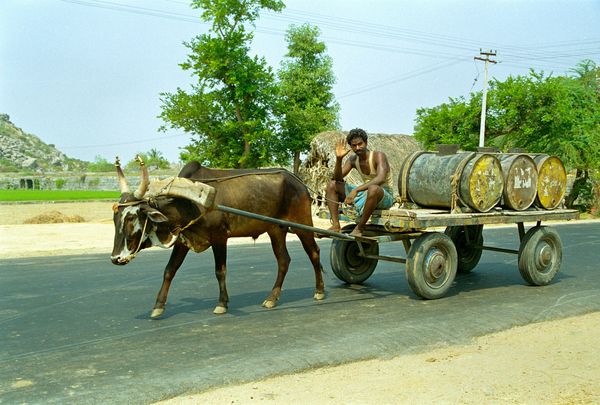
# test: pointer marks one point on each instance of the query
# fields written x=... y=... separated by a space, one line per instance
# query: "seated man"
x=376 y=190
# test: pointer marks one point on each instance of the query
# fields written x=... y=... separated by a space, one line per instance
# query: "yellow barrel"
x=520 y=180
x=470 y=179
x=552 y=181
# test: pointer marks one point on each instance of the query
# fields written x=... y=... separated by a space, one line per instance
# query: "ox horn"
x=139 y=193
x=122 y=181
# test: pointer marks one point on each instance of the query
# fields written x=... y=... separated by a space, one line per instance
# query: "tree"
x=229 y=111
x=100 y=164
x=153 y=159
x=541 y=114
x=454 y=122
x=307 y=105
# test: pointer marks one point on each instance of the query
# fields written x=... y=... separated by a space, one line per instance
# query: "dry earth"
x=555 y=362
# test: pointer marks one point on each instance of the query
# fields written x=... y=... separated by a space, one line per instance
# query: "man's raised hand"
x=341 y=149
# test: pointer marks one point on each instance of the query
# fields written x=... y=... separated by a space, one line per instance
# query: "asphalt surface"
x=76 y=329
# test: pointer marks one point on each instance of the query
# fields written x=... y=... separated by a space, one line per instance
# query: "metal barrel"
x=520 y=180
x=435 y=180
x=552 y=181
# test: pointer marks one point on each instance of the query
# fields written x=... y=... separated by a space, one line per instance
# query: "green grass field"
x=57 y=195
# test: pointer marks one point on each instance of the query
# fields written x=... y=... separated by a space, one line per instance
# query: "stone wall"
x=66 y=182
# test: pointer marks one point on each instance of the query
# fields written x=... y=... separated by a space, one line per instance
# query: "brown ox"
x=179 y=223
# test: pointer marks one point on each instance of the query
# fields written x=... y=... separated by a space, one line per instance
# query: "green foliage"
x=543 y=114
x=153 y=159
x=57 y=195
x=60 y=183
x=307 y=105
x=454 y=122
x=8 y=166
x=539 y=113
x=229 y=111
x=100 y=164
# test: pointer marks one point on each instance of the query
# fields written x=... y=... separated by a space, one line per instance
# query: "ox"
x=142 y=222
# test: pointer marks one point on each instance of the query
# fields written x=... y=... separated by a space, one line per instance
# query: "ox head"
x=135 y=220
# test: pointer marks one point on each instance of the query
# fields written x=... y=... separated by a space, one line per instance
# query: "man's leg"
x=335 y=193
x=374 y=195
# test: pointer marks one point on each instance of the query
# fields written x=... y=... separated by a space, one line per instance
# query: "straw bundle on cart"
x=317 y=168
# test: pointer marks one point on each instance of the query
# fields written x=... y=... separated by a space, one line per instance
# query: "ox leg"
x=314 y=254
x=177 y=257
x=220 y=254
x=277 y=236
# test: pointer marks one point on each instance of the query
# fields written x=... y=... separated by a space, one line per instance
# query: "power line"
x=406 y=76
x=133 y=142
x=362 y=27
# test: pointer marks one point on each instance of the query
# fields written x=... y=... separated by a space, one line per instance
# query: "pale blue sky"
x=86 y=75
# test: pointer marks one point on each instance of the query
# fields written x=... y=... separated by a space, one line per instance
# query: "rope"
x=177 y=230
x=141 y=240
x=455 y=182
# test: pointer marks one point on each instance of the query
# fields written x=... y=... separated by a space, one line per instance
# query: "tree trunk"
x=246 y=155
x=296 y=162
x=581 y=178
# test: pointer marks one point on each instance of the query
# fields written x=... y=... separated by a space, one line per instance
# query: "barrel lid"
x=520 y=181
x=485 y=182
x=552 y=182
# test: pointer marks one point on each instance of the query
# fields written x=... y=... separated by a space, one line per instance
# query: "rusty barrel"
x=520 y=180
x=435 y=180
x=552 y=181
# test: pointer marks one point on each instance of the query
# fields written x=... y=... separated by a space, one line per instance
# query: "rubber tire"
x=426 y=254
x=468 y=257
x=540 y=255
x=347 y=265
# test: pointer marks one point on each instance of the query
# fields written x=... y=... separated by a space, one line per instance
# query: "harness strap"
x=177 y=230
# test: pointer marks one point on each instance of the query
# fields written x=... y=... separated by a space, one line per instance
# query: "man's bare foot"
x=356 y=232
x=335 y=228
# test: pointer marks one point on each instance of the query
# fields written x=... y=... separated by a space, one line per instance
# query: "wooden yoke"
x=199 y=193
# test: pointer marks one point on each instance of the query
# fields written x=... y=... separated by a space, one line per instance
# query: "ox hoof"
x=269 y=303
x=219 y=310
x=319 y=296
x=156 y=312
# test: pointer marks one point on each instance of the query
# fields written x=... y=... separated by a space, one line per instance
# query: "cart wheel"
x=346 y=263
x=468 y=256
x=540 y=255
x=431 y=265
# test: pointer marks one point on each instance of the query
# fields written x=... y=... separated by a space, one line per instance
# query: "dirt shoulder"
x=555 y=362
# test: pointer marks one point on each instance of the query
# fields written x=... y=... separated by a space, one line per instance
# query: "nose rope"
x=132 y=256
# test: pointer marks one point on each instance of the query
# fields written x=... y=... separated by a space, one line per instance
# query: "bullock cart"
x=438 y=244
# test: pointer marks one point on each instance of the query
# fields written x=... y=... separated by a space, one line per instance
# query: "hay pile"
x=317 y=168
x=53 y=217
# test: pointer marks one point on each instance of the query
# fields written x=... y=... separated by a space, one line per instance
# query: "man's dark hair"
x=357 y=133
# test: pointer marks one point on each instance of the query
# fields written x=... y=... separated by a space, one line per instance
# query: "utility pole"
x=486 y=59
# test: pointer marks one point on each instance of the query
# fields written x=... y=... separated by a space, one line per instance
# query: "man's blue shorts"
x=359 y=202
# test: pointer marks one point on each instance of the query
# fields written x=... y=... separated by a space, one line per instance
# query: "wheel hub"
x=435 y=265
x=544 y=256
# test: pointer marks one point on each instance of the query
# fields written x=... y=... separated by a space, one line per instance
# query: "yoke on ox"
x=172 y=214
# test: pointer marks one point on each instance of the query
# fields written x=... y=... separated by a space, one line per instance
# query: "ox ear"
x=154 y=215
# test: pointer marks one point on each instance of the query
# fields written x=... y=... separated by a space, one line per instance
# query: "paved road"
x=76 y=329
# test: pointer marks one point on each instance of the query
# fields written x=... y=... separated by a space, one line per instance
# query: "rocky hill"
x=20 y=151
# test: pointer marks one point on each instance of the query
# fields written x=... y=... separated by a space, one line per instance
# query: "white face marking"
x=134 y=226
